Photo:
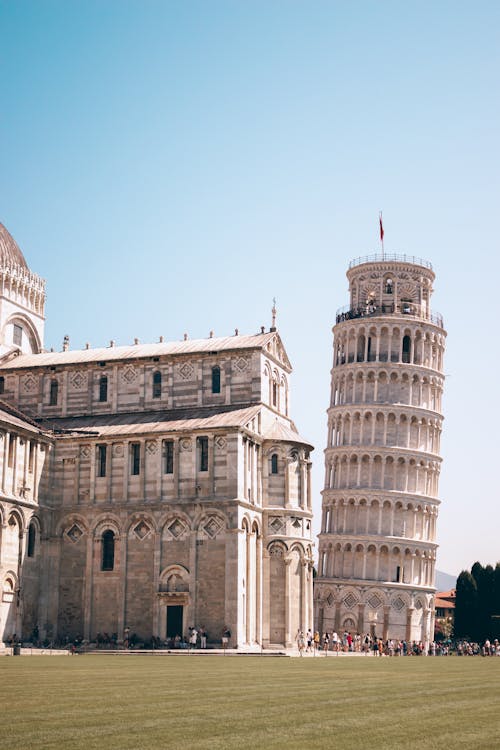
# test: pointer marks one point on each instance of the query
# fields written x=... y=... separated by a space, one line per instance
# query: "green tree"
x=465 y=606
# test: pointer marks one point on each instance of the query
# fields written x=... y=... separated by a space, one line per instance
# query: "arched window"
x=103 y=388
x=274 y=463
x=157 y=384
x=406 y=348
x=54 y=391
x=31 y=540
x=215 y=379
x=389 y=286
x=108 y=550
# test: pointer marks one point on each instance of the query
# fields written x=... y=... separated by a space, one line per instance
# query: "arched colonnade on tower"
x=384 y=428
x=378 y=562
x=385 y=343
x=392 y=518
x=387 y=386
x=380 y=471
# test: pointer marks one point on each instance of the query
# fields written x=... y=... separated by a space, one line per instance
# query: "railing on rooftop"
x=374 y=311
x=381 y=257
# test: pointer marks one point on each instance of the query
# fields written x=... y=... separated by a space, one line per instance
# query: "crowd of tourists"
x=367 y=644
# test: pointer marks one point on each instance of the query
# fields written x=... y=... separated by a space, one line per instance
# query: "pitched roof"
x=281 y=432
x=10 y=415
x=137 y=351
x=143 y=423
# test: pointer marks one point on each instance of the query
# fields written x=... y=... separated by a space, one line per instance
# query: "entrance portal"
x=174 y=620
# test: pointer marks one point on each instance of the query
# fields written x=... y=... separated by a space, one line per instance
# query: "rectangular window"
x=101 y=460
x=103 y=388
x=203 y=453
x=17 y=336
x=168 y=456
x=135 y=458
x=31 y=457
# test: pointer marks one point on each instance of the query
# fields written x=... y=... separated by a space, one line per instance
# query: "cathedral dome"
x=10 y=254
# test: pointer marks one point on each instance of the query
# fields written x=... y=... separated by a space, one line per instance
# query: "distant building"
x=148 y=488
x=377 y=546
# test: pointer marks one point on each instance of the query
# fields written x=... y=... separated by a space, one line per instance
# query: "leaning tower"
x=377 y=546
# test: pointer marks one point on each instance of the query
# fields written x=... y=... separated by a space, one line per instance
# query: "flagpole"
x=381 y=233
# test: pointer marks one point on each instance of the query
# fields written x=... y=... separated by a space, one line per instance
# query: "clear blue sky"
x=173 y=166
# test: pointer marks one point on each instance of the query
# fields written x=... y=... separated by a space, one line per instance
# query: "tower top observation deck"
x=390 y=284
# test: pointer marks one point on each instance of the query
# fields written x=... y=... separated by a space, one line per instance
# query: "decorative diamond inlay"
x=78 y=381
x=418 y=604
x=350 y=601
x=374 y=601
x=129 y=374
x=29 y=383
x=85 y=451
x=176 y=528
x=141 y=530
x=151 y=447
x=186 y=371
x=241 y=364
x=220 y=442
x=398 y=604
x=329 y=600
x=74 y=533
x=212 y=527
x=276 y=525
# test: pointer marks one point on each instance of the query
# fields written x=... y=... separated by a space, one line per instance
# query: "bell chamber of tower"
x=377 y=546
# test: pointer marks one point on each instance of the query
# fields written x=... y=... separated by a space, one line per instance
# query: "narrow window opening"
x=215 y=379
x=168 y=456
x=275 y=394
x=31 y=457
x=135 y=459
x=103 y=388
x=274 y=463
x=54 y=392
x=203 y=453
x=108 y=550
x=389 y=286
x=369 y=349
x=2 y=384
x=101 y=460
x=157 y=384
x=31 y=540
x=406 y=349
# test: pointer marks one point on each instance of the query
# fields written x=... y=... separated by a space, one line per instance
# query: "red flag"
x=381 y=227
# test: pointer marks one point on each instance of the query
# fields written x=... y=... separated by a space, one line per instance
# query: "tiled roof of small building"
x=10 y=253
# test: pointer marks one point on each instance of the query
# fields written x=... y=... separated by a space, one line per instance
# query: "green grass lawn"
x=146 y=702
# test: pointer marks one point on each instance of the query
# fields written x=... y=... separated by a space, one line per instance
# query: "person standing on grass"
x=193 y=637
x=326 y=643
x=335 y=641
x=301 y=642
x=309 y=640
x=316 y=641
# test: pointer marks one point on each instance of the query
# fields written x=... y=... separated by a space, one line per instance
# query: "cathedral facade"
x=148 y=488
